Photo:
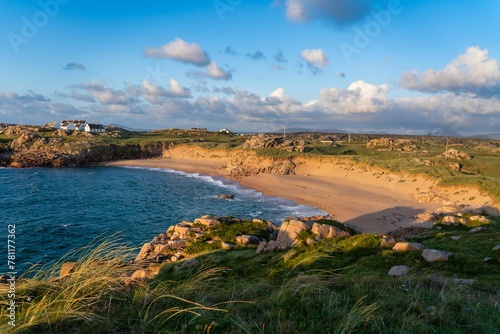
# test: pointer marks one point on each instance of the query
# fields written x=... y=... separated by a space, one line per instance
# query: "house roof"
x=74 y=121
x=95 y=126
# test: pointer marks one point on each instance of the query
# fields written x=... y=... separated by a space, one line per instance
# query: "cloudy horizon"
x=407 y=67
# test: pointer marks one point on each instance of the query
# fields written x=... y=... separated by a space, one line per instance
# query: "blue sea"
x=58 y=210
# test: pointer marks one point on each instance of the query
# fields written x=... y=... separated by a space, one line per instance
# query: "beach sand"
x=374 y=201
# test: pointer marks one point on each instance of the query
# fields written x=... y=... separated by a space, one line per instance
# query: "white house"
x=73 y=125
x=224 y=130
x=67 y=125
x=94 y=128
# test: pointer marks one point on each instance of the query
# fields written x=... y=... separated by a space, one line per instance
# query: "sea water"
x=58 y=210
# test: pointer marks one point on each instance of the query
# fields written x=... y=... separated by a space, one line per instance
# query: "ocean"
x=58 y=210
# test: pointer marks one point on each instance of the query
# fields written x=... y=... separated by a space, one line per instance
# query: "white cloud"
x=28 y=97
x=153 y=92
x=182 y=51
x=360 y=97
x=467 y=72
x=105 y=95
x=213 y=72
x=296 y=10
x=360 y=105
x=316 y=59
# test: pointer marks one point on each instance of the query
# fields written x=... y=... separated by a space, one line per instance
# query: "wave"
x=242 y=193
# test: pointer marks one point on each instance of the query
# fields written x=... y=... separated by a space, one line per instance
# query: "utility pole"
x=349 y=138
x=284 y=133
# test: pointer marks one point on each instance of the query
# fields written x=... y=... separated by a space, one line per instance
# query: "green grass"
x=333 y=286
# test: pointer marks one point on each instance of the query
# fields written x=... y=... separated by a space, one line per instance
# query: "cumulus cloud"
x=468 y=72
x=32 y=108
x=156 y=93
x=213 y=71
x=30 y=96
x=360 y=97
x=225 y=90
x=257 y=55
x=338 y=11
x=74 y=67
x=99 y=92
x=355 y=107
x=316 y=59
x=182 y=51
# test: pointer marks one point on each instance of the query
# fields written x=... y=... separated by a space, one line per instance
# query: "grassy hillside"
x=334 y=286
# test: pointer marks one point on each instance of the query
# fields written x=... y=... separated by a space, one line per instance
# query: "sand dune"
x=371 y=199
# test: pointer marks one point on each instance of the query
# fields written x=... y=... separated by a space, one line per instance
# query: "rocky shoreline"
x=186 y=240
x=30 y=147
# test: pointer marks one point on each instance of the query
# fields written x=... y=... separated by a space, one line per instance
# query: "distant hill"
x=127 y=128
x=294 y=130
x=494 y=136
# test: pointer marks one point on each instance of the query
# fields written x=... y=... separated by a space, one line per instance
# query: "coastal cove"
x=59 y=210
x=371 y=199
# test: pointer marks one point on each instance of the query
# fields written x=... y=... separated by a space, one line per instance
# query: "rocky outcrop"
x=294 y=231
x=454 y=154
x=391 y=144
x=32 y=149
x=456 y=215
x=249 y=165
x=173 y=245
x=264 y=141
x=423 y=162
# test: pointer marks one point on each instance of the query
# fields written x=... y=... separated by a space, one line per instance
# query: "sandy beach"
x=374 y=201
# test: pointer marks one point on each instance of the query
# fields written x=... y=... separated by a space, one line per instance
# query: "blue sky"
x=400 y=66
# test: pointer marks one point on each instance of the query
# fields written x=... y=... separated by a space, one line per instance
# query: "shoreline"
x=371 y=199
x=370 y=208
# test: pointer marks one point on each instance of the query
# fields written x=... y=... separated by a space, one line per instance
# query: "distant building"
x=71 y=125
x=94 y=128
x=54 y=125
x=224 y=130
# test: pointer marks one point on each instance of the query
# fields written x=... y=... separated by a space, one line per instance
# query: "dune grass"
x=333 y=286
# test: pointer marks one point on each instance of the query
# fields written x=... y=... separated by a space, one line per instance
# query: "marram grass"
x=334 y=286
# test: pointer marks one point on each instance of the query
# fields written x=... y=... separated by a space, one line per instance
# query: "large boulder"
x=247 y=240
x=146 y=249
x=434 y=255
x=324 y=231
x=209 y=222
x=289 y=231
x=387 y=242
x=408 y=247
x=398 y=271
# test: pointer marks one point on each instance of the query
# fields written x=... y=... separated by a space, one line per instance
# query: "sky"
x=397 y=66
